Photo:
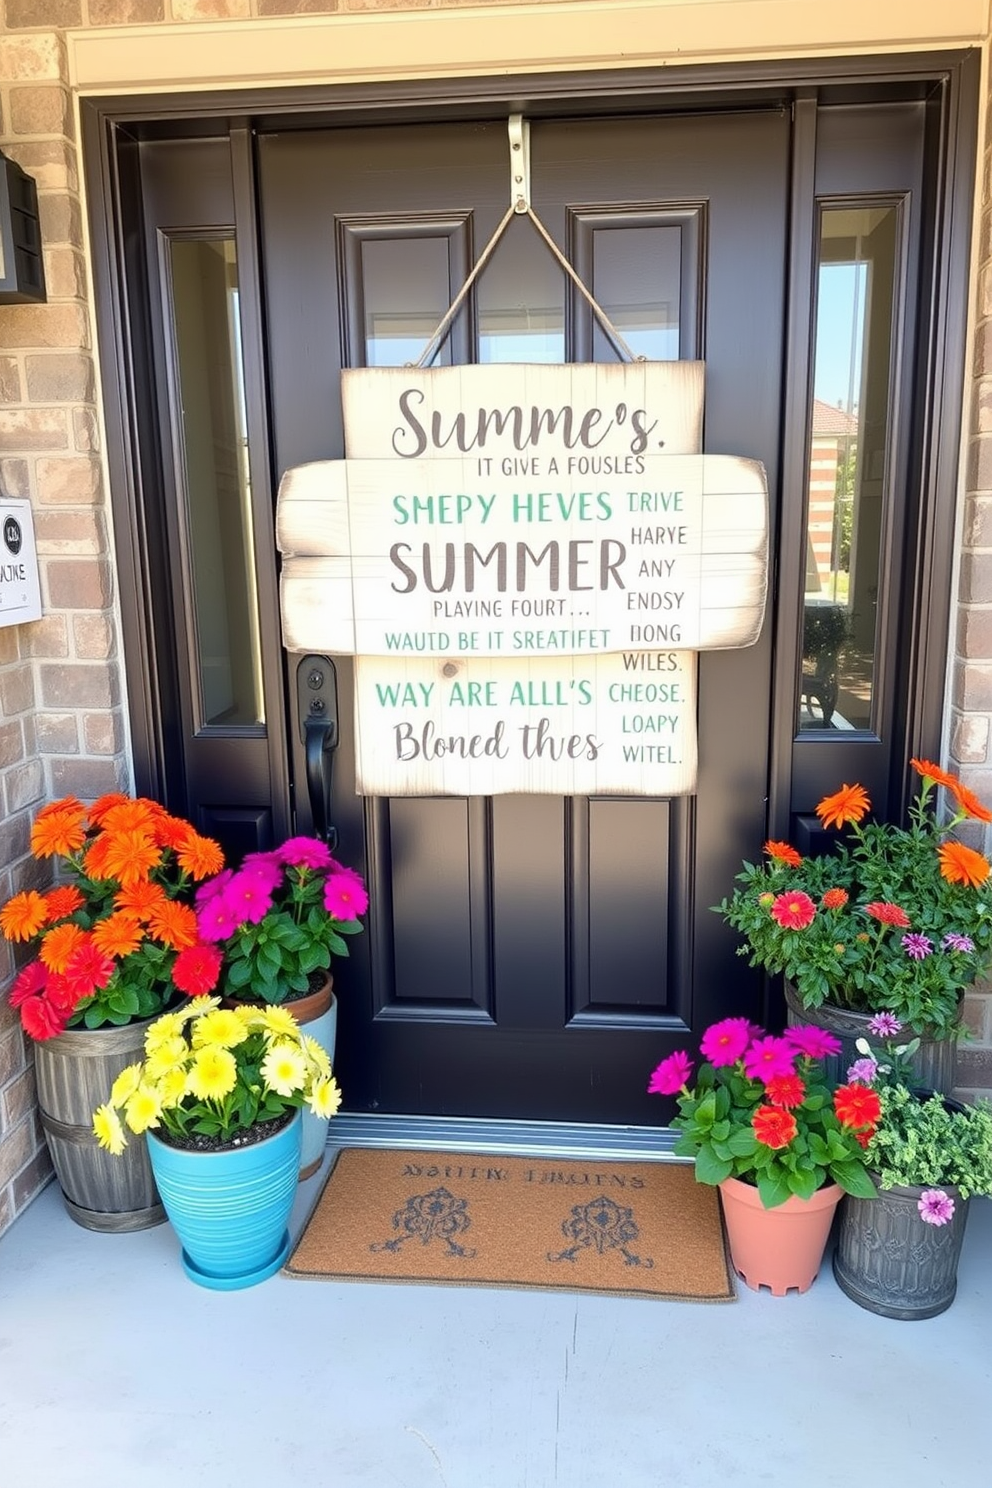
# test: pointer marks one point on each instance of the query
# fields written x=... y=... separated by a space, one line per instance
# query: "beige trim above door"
x=561 y=35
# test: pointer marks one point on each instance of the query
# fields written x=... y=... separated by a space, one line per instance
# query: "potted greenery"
x=277 y=922
x=763 y=1126
x=217 y=1096
x=897 y=1252
x=115 y=942
x=894 y=919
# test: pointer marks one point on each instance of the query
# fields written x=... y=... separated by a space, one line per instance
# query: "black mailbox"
x=22 y=270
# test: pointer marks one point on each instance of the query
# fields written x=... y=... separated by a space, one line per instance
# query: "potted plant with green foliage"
x=115 y=942
x=894 y=919
x=898 y=1251
x=277 y=921
x=217 y=1097
x=762 y=1125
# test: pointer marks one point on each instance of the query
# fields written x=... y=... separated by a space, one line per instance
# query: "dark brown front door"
x=533 y=956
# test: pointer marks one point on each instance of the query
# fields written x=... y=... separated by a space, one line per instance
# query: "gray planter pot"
x=892 y=1263
x=934 y=1063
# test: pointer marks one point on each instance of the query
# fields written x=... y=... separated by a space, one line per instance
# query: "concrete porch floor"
x=117 y=1372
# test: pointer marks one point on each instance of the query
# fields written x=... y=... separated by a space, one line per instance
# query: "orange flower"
x=23 y=916
x=169 y=831
x=174 y=924
x=857 y=1105
x=66 y=803
x=201 y=856
x=849 y=804
x=888 y=914
x=59 y=944
x=99 y=809
x=933 y=772
x=130 y=816
x=140 y=899
x=774 y=1127
x=63 y=902
x=969 y=802
x=960 y=864
x=130 y=855
x=118 y=935
x=783 y=852
x=834 y=899
x=58 y=834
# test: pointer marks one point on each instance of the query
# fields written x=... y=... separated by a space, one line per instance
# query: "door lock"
x=317 y=709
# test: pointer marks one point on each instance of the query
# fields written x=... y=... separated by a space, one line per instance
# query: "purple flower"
x=917 y=946
x=814 y=1042
x=306 y=852
x=935 y=1206
x=768 y=1057
x=884 y=1025
x=671 y=1074
x=954 y=942
x=344 y=895
x=864 y=1071
x=724 y=1042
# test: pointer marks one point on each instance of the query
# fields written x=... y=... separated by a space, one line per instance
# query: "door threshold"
x=468 y=1134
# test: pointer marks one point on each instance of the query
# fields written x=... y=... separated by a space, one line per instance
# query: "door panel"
x=534 y=956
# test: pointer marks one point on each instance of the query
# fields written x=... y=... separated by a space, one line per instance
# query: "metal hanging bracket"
x=519 y=131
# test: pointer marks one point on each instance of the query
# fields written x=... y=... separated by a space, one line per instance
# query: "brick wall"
x=61 y=723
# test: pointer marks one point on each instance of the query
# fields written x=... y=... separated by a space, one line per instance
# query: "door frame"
x=945 y=83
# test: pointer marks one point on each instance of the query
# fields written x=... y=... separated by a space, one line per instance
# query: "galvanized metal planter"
x=933 y=1064
x=892 y=1263
x=74 y=1073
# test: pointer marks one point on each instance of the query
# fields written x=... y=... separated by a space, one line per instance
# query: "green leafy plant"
x=761 y=1110
x=212 y=1075
x=893 y=919
x=923 y=1141
x=280 y=918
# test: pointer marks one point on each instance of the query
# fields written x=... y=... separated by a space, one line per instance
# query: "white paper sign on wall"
x=20 y=588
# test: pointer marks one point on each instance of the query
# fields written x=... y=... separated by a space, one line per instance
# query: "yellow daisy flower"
x=325 y=1098
x=284 y=1069
x=279 y=1022
x=221 y=1026
x=108 y=1130
x=172 y=1086
x=199 y=1007
x=213 y=1073
x=169 y=1026
x=143 y=1109
x=317 y=1055
x=169 y=1055
x=125 y=1085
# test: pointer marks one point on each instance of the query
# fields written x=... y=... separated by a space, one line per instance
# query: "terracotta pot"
x=779 y=1248
x=933 y=1063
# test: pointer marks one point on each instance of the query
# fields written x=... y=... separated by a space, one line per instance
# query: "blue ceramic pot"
x=230 y=1208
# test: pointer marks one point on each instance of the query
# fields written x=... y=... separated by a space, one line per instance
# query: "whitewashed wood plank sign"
x=523 y=559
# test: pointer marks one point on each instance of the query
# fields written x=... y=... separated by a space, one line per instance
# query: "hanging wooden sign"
x=504 y=548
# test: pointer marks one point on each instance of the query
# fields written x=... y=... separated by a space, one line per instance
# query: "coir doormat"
x=639 y=1229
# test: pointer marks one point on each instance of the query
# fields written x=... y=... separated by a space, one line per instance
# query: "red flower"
x=793 y=910
x=40 y=1019
x=888 y=914
x=87 y=969
x=785 y=1091
x=783 y=852
x=774 y=1127
x=27 y=983
x=857 y=1106
x=196 y=969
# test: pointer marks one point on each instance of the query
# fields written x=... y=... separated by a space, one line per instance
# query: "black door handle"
x=317 y=698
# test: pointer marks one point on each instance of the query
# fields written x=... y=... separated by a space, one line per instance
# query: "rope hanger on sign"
x=519 y=138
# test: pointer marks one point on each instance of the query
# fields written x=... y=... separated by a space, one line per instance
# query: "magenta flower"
x=769 y=1056
x=248 y=896
x=917 y=946
x=211 y=887
x=815 y=1043
x=265 y=867
x=671 y=1074
x=863 y=1071
x=306 y=852
x=344 y=895
x=725 y=1042
x=935 y=1206
x=954 y=942
x=216 y=919
x=884 y=1025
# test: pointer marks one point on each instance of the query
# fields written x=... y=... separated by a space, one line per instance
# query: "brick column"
x=61 y=723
